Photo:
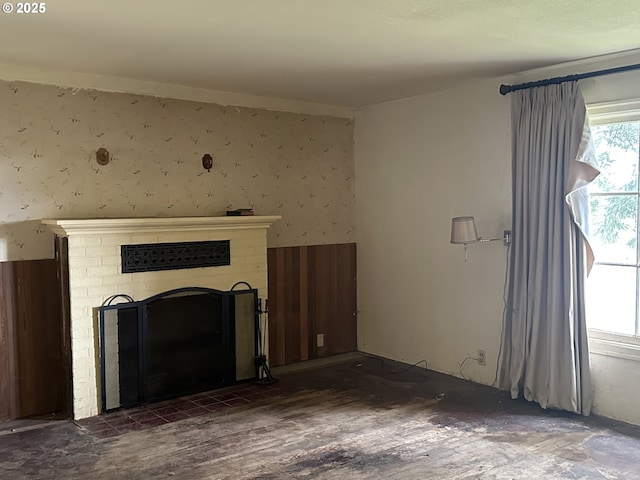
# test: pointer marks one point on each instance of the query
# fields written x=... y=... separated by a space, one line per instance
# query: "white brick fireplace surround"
x=95 y=273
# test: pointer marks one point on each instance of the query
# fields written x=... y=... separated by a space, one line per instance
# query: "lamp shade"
x=463 y=230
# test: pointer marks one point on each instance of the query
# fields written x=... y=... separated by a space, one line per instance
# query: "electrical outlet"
x=482 y=358
x=320 y=340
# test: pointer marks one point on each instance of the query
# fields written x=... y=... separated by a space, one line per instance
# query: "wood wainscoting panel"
x=62 y=264
x=312 y=290
x=31 y=374
x=39 y=338
x=9 y=389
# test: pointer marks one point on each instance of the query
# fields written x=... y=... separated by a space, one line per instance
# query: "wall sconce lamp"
x=463 y=232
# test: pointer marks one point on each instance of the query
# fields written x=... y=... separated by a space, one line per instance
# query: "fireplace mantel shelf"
x=102 y=226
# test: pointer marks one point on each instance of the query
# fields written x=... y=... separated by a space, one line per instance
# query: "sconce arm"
x=506 y=239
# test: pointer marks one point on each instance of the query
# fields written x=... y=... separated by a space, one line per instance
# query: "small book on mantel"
x=240 y=212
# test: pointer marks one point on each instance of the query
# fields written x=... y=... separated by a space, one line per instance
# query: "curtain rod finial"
x=504 y=89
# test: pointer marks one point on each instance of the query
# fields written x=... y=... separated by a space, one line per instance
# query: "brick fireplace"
x=95 y=274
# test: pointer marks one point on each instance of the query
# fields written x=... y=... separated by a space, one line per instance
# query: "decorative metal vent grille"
x=153 y=257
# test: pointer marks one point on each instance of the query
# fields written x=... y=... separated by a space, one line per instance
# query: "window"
x=612 y=288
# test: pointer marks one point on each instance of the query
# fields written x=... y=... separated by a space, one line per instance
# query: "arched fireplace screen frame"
x=179 y=342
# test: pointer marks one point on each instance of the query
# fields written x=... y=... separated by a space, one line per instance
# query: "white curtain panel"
x=545 y=353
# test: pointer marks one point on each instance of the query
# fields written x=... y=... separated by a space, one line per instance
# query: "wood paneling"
x=31 y=374
x=312 y=290
x=9 y=392
x=62 y=264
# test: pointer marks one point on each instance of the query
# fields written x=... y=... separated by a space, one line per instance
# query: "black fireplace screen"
x=177 y=343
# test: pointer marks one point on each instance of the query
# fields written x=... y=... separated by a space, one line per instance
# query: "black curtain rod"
x=504 y=89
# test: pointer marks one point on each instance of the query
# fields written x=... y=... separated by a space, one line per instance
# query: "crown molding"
x=103 y=83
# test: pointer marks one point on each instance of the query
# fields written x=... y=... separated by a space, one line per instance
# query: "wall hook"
x=102 y=156
x=207 y=162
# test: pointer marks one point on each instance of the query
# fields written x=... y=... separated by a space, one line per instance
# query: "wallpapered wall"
x=294 y=165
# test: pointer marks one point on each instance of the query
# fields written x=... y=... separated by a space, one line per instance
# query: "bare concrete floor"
x=354 y=419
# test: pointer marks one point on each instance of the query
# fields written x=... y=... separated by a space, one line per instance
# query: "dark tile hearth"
x=155 y=414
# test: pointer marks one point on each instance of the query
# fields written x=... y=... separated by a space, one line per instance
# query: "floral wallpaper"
x=294 y=165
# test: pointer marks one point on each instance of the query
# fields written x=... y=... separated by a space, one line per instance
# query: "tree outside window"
x=612 y=288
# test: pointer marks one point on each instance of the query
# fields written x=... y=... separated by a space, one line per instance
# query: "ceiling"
x=337 y=52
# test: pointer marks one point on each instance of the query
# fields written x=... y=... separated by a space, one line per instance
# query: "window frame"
x=602 y=342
